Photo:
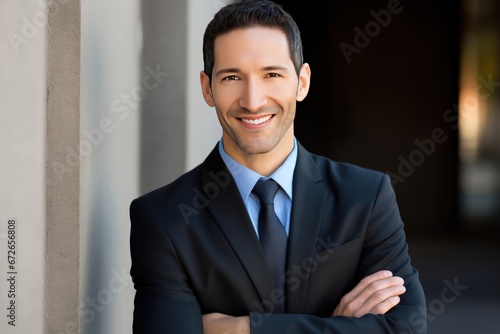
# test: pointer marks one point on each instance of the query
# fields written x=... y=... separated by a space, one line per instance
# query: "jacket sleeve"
x=384 y=248
x=164 y=301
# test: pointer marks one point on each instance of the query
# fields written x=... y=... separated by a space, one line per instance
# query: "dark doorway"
x=386 y=77
x=384 y=94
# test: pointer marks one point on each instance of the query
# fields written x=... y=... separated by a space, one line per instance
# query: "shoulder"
x=165 y=201
x=346 y=171
x=343 y=174
x=348 y=184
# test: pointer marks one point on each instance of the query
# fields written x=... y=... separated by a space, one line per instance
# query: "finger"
x=380 y=284
x=377 y=291
x=365 y=282
x=349 y=302
x=217 y=323
x=386 y=305
x=364 y=291
x=213 y=315
x=372 y=294
x=379 y=297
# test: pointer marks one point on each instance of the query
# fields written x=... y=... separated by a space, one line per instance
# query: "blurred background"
x=410 y=88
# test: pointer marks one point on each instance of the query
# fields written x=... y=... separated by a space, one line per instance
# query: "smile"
x=257 y=121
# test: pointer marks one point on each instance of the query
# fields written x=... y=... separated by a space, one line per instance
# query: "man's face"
x=254 y=90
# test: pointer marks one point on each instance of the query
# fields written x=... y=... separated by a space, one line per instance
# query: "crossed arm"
x=375 y=294
x=164 y=299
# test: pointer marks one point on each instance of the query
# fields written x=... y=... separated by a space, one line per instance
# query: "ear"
x=206 y=89
x=304 y=82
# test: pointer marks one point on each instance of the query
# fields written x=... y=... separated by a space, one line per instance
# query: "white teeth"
x=257 y=121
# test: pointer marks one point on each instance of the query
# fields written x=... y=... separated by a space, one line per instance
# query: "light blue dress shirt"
x=246 y=179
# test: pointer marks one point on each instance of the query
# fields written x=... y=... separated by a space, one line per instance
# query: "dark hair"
x=249 y=13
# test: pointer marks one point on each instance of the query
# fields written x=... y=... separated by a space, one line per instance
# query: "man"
x=263 y=236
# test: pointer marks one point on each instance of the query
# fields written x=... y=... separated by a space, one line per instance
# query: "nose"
x=253 y=97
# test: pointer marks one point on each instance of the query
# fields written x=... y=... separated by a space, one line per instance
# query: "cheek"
x=285 y=95
x=226 y=97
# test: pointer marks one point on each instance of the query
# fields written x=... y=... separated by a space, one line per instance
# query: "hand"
x=375 y=294
x=218 y=323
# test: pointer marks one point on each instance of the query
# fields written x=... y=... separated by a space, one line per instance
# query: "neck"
x=264 y=163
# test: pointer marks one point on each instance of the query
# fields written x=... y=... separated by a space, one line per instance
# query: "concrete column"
x=62 y=148
x=202 y=126
x=56 y=173
x=178 y=129
x=112 y=91
x=22 y=165
x=163 y=115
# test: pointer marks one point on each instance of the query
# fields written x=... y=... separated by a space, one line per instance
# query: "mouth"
x=256 y=121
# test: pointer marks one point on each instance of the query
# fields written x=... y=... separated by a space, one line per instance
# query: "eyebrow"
x=227 y=70
x=237 y=70
x=275 y=68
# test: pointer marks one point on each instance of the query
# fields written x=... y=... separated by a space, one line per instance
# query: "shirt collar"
x=246 y=178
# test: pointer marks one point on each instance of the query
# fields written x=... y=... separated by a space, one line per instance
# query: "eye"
x=230 y=78
x=273 y=75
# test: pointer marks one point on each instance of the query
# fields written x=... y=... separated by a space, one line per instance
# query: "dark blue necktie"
x=272 y=233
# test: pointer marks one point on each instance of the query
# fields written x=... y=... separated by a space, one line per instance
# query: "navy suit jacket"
x=194 y=251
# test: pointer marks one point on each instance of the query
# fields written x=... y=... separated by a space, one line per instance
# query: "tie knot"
x=266 y=190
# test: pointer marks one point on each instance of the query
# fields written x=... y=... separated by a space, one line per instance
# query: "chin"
x=258 y=149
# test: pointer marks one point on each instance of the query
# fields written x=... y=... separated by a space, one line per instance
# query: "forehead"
x=251 y=45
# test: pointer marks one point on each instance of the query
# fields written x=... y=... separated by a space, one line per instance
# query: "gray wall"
x=40 y=120
x=177 y=128
x=111 y=46
x=140 y=70
x=138 y=131
x=22 y=130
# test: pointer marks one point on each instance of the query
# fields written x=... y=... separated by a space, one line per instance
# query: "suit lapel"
x=229 y=212
x=309 y=199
